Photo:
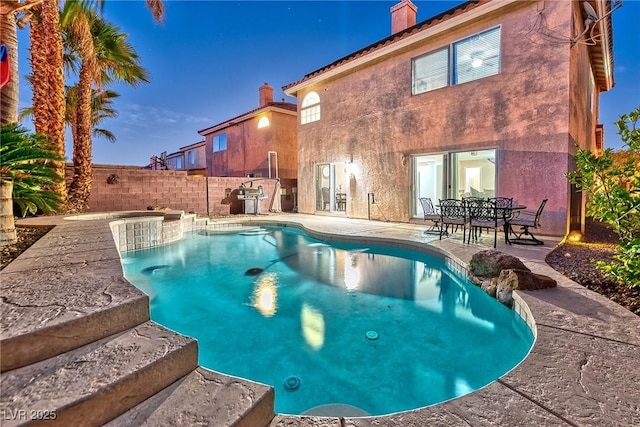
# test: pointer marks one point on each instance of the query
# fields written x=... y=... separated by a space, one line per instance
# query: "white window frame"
x=424 y=83
x=477 y=63
x=421 y=84
x=310 y=108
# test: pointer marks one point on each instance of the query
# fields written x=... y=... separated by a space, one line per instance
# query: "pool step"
x=66 y=291
x=99 y=381
x=204 y=398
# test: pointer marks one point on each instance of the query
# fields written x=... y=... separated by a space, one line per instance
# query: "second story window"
x=470 y=59
x=431 y=71
x=179 y=163
x=310 y=108
x=477 y=56
x=192 y=158
x=220 y=142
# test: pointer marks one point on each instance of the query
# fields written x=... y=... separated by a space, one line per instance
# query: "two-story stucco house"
x=258 y=143
x=191 y=158
x=489 y=98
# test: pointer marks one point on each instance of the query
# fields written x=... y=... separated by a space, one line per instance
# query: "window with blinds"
x=473 y=58
x=431 y=71
x=477 y=56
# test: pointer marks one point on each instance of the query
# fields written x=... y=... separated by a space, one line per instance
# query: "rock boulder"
x=490 y=263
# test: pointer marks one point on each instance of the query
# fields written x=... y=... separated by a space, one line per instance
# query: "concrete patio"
x=76 y=338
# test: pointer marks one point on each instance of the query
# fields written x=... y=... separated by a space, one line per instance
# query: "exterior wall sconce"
x=404 y=160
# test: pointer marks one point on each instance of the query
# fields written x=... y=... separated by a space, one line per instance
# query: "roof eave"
x=602 y=52
x=244 y=117
x=390 y=47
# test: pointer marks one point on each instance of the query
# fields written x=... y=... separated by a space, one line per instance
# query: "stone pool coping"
x=582 y=370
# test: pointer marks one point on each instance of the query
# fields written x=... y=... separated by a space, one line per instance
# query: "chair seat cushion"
x=523 y=221
x=458 y=221
x=487 y=223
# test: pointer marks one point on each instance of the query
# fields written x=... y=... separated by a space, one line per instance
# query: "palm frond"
x=26 y=160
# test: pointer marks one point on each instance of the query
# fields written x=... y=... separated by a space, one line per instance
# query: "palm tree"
x=108 y=58
x=48 y=80
x=26 y=174
x=101 y=109
x=46 y=65
x=13 y=14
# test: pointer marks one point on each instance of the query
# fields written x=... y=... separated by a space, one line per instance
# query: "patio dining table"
x=507 y=213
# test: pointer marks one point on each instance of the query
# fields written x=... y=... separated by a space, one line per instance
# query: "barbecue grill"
x=251 y=197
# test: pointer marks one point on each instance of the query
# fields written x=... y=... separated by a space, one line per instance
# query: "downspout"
x=275 y=153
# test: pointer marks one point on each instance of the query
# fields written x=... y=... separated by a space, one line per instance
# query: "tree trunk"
x=48 y=83
x=7 y=222
x=80 y=188
x=9 y=37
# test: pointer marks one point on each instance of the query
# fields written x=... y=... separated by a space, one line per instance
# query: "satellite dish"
x=591 y=13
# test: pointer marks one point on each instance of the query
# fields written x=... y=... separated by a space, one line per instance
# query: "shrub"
x=28 y=163
x=612 y=185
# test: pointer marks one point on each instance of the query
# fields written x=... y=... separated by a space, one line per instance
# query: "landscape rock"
x=490 y=263
x=524 y=280
x=490 y=286
x=505 y=296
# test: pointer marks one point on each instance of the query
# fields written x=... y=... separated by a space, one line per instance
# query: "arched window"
x=263 y=122
x=310 y=110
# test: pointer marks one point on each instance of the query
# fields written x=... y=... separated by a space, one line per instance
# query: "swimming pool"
x=376 y=328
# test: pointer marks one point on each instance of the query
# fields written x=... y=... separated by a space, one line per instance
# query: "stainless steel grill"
x=251 y=197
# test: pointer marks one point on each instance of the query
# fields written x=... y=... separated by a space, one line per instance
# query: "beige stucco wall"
x=369 y=117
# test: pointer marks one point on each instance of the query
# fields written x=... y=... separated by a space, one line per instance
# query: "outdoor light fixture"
x=575 y=236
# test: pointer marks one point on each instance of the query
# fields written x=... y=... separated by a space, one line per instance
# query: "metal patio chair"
x=485 y=214
x=453 y=212
x=526 y=220
x=430 y=214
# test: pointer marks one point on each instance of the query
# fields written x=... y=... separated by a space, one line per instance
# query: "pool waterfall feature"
x=151 y=232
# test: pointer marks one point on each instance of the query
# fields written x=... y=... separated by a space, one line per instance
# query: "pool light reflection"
x=312 y=323
x=265 y=295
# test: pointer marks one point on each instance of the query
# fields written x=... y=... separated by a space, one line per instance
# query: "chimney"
x=266 y=94
x=403 y=15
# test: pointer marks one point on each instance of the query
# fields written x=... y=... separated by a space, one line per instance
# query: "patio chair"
x=503 y=205
x=452 y=212
x=430 y=214
x=526 y=220
x=485 y=214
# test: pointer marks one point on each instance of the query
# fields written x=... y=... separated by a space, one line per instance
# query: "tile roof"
x=396 y=37
x=283 y=105
x=601 y=55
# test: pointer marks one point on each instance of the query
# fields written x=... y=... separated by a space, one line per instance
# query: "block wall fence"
x=123 y=188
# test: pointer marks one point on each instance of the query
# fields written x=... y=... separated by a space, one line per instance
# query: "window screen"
x=477 y=57
x=431 y=71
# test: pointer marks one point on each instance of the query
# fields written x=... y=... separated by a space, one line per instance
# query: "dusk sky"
x=209 y=57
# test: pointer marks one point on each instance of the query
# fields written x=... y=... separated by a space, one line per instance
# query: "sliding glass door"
x=473 y=174
x=452 y=175
x=428 y=180
x=331 y=187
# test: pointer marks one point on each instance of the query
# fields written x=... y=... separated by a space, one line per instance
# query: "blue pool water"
x=377 y=328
